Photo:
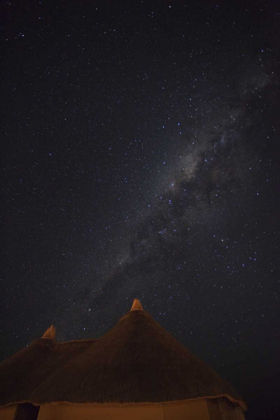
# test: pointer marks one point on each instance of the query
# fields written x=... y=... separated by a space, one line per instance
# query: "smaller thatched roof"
x=137 y=361
x=22 y=373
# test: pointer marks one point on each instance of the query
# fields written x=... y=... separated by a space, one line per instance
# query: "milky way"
x=187 y=221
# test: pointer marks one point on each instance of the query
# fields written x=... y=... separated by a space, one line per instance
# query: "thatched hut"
x=137 y=370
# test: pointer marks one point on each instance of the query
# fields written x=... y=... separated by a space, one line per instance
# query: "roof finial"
x=50 y=333
x=136 y=306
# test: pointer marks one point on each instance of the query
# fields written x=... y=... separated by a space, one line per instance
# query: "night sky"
x=142 y=160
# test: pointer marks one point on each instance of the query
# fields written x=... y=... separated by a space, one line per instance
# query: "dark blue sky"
x=142 y=160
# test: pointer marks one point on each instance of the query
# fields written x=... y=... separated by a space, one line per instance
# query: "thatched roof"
x=136 y=361
x=22 y=373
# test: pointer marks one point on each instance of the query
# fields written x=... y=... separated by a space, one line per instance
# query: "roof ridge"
x=136 y=306
x=50 y=333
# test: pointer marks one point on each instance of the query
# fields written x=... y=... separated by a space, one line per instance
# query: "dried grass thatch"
x=22 y=373
x=137 y=361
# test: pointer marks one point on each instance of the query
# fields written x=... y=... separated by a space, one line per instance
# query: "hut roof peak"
x=50 y=333
x=136 y=306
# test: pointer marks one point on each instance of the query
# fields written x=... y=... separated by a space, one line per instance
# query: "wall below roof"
x=193 y=410
x=201 y=409
x=8 y=413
